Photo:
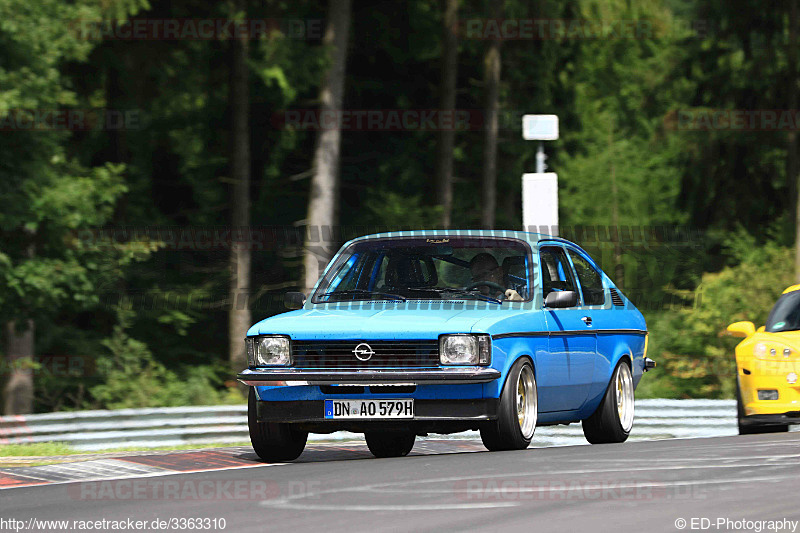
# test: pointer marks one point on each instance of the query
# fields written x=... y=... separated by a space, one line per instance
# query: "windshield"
x=785 y=316
x=475 y=268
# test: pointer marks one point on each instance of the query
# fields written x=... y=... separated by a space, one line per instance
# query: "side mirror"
x=561 y=299
x=294 y=300
x=742 y=329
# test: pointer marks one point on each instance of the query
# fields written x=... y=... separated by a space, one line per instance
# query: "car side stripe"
x=570 y=332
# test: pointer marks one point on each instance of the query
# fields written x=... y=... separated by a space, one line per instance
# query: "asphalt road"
x=642 y=486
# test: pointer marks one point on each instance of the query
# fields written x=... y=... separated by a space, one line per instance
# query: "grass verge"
x=40 y=449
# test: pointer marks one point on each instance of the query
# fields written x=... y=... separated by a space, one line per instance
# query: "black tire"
x=605 y=425
x=506 y=433
x=753 y=429
x=273 y=442
x=390 y=443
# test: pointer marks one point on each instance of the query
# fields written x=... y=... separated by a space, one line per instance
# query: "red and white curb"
x=73 y=470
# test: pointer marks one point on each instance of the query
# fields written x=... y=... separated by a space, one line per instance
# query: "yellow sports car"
x=767 y=366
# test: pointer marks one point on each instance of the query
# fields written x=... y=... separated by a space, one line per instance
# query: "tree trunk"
x=492 y=67
x=792 y=174
x=19 y=387
x=239 y=317
x=447 y=137
x=321 y=235
x=18 y=390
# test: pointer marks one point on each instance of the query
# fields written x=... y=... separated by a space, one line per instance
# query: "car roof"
x=532 y=238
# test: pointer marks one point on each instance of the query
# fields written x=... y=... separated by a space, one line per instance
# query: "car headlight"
x=465 y=349
x=269 y=350
x=771 y=350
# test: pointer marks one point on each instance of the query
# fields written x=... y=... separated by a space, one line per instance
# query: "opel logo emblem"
x=363 y=352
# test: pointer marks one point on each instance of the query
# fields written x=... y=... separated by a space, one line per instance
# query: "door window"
x=590 y=280
x=556 y=271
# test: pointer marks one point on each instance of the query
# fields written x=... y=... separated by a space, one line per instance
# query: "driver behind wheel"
x=485 y=268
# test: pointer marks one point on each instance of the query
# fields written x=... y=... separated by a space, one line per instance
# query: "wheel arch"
x=506 y=352
x=604 y=375
x=513 y=361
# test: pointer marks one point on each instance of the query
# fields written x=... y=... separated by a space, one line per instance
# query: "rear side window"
x=556 y=272
x=590 y=280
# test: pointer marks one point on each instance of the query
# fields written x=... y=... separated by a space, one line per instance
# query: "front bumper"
x=755 y=375
x=424 y=411
x=423 y=376
x=792 y=417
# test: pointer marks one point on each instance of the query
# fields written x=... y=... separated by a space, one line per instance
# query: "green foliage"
x=54 y=267
x=394 y=210
x=39 y=449
x=71 y=201
x=695 y=357
x=131 y=377
x=44 y=450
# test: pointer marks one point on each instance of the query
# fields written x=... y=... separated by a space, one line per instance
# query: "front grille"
x=339 y=354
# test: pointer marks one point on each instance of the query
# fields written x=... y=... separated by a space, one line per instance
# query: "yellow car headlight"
x=771 y=350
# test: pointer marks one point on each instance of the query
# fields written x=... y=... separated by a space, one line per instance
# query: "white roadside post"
x=540 y=189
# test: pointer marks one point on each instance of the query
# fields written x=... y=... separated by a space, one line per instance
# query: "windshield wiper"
x=462 y=292
x=365 y=293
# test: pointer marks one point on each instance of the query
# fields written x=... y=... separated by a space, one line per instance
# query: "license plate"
x=370 y=409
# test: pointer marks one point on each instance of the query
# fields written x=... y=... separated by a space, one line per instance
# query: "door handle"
x=587 y=320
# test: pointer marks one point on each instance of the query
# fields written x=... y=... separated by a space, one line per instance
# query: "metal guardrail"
x=659 y=419
x=171 y=426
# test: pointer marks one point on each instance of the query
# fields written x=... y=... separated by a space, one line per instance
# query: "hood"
x=396 y=321
x=791 y=338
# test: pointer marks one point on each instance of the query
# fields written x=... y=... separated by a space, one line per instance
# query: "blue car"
x=410 y=333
